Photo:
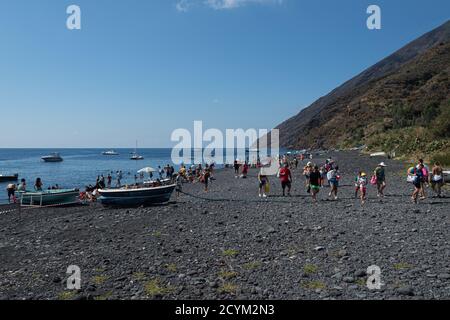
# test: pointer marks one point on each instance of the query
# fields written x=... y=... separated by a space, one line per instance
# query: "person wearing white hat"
x=381 y=179
x=306 y=172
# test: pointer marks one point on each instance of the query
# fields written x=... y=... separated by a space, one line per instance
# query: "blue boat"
x=135 y=197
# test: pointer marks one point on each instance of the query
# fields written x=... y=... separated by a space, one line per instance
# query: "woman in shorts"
x=333 y=179
x=437 y=179
x=263 y=182
x=315 y=182
x=362 y=184
x=417 y=182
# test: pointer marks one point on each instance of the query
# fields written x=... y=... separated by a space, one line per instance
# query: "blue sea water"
x=79 y=168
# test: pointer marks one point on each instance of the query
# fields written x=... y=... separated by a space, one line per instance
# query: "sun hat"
x=382 y=164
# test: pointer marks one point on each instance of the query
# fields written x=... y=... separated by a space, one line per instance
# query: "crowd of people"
x=195 y=173
x=12 y=188
x=421 y=177
x=327 y=174
x=317 y=176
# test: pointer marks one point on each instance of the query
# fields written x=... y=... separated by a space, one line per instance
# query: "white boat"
x=378 y=154
x=53 y=157
x=135 y=155
x=49 y=197
x=110 y=153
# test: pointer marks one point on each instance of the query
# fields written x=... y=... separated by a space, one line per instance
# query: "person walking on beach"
x=417 y=182
x=38 y=185
x=263 y=184
x=333 y=179
x=11 y=190
x=285 y=179
x=437 y=179
x=206 y=177
x=236 y=167
x=362 y=185
x=380 y=176
x=357 y=186
x=244 y=170
x=306 y=172
x=424 y=180
x=315 y=182
x=323 y=175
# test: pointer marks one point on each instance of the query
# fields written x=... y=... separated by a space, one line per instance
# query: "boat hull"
x=49 y=197
x=110 y=153
x=136 y=197
x=52 y=159
x=9 y=178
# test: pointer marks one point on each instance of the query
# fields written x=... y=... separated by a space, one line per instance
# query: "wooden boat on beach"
x=136 y=196
x=49 y=197
x=6 y=178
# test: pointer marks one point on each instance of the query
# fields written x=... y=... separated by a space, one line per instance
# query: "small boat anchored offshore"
x=53 y=157
x=135 y=155
x=5 y=178
x=110 y=153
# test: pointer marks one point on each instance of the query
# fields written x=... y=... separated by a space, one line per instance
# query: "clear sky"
x=139 y=69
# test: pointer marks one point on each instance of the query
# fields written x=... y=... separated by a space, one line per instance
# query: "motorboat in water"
x=53 y=157
x=6 y=178
x=49 y=197
x=110 y=153
x=136 y=196
x=135 y=156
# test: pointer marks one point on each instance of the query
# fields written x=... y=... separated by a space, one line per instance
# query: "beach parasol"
x=147 y=170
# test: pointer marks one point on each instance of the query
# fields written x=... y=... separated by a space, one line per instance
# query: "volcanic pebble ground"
x=237 y=246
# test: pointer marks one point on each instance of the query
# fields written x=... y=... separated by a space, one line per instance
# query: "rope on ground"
x=287 y=200
x=237 y=200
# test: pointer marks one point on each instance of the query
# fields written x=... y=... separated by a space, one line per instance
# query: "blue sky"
x=140 y=69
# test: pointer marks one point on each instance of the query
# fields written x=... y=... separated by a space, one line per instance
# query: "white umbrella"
x=147 y=170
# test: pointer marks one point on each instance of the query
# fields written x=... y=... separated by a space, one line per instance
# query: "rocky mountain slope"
x=400 y=104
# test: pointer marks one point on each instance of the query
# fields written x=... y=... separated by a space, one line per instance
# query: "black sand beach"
x=247 y=248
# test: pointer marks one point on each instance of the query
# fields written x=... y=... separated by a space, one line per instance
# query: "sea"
x=79 y=168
